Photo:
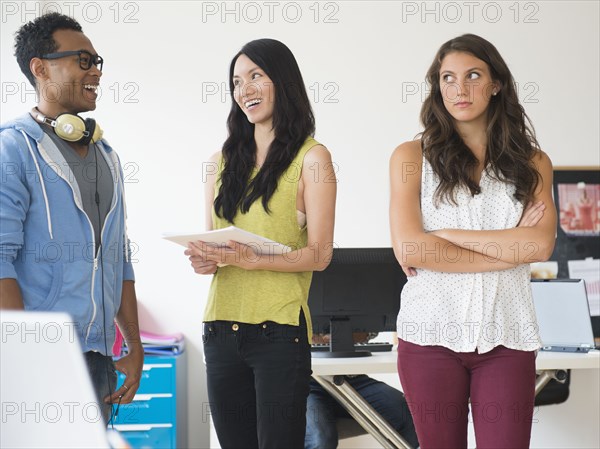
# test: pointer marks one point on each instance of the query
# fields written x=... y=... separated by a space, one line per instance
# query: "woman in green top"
x=273 y=179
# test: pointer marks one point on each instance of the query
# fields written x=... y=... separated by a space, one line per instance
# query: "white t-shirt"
x=470 y=311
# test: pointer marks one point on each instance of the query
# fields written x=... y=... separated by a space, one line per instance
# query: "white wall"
x=364 y=63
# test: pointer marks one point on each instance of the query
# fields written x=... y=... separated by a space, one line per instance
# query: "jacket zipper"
x=95 y=264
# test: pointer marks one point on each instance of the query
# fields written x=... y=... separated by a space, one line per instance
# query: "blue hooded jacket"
x=47 y=240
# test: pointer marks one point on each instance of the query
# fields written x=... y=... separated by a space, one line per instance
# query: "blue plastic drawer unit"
x=157 y=417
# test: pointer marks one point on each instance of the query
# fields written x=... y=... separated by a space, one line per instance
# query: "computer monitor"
x=358 y=292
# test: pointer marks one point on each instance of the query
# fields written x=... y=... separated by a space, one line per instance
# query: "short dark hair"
x=34 y=39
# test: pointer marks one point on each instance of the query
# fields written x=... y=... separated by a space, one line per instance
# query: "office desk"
x=325 y=370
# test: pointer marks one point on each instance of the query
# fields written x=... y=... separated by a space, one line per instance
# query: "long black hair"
x=511 y=142
x=293 y=122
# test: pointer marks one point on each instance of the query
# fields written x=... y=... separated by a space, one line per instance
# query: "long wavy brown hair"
x=511 y=142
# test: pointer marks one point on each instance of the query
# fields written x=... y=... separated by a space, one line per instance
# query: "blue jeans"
x=104 y=379
x=323 y=411
x=258 y=379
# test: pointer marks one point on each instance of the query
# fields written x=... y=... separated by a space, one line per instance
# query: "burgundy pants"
x=438 y=384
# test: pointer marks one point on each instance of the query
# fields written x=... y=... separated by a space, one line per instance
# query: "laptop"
x=563 y=315
x=47 y=396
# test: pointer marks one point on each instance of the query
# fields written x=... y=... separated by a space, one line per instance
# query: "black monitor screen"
x=358 y=292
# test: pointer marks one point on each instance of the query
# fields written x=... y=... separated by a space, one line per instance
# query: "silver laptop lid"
x=563 y=314
x=47 y=396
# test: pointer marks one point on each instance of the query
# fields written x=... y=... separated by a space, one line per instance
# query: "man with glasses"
x=86 y=59
x=63 y=242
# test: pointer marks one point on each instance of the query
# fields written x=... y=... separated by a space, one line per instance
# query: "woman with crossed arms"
x=471 y=207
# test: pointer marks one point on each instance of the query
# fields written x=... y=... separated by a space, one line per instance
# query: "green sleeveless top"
x=257 y=296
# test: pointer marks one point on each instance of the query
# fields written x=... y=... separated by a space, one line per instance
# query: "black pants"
x=258 y=381
x=104 y=379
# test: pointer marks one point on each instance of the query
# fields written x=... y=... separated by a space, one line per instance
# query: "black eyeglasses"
x=86 y=59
